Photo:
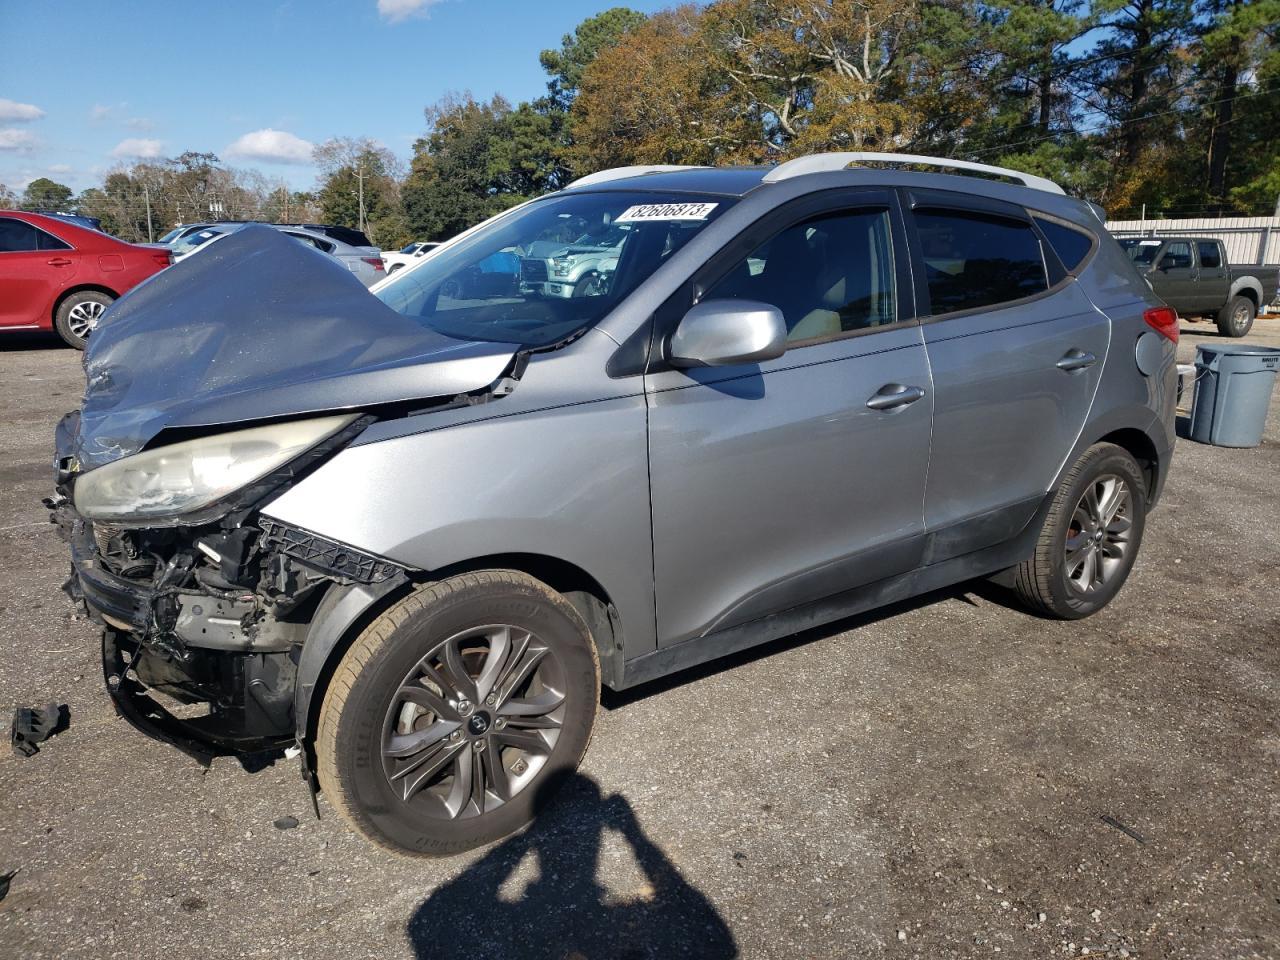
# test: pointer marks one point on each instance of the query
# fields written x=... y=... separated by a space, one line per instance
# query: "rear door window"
x=974 y=260
x=1209 y=255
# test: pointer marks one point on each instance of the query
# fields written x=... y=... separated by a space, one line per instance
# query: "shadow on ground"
x=21 y=340
x=563 y=911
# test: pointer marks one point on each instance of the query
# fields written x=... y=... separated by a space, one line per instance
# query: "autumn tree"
x=657 y=97
x=579 y=49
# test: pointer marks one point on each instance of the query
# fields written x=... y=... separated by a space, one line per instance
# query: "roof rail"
x=621 y=173
x=826 y=162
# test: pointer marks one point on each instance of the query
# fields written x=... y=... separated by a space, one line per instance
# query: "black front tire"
x=350 y=742
x=72 y=315
x=1044 y=583
x=1236 y=318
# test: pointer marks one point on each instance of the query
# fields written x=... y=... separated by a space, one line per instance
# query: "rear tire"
x=1090 y=539
x=1236 y=318
x=481 y=740
x=79 y=313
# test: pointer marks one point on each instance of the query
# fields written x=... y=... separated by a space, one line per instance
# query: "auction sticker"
x=665 y=211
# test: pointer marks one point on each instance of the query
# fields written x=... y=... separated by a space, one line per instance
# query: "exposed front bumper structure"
x=210 y=671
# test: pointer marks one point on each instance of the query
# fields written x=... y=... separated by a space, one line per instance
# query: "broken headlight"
x=183 y=477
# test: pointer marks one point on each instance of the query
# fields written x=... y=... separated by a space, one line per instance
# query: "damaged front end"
x=210 y=389
x=204 y=616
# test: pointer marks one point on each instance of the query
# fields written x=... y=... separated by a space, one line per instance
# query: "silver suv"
x=412 y=534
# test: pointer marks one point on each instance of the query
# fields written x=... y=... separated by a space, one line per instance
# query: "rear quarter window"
x=1071 y=245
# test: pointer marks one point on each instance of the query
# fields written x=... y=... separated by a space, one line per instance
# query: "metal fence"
x=1249 y=240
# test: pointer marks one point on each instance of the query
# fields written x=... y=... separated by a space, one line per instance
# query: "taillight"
x=374 y=262
x=1163 y=320
x=164 y=259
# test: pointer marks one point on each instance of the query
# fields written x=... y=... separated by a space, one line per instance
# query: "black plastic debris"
x=286 y=823
x=1116 y=824
x=4 y=882
x=33 y=725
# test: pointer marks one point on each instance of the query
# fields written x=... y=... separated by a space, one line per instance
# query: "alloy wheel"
x=1098 y=538
x=1240 y=318
x=474 y=721
x=84 y=317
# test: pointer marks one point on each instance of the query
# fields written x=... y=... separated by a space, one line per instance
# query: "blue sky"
x=85 y=86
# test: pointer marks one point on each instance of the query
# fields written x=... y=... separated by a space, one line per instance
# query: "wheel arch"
x=345 y=611
x=1143 y=449
x=1247 y=287
x=78 y=288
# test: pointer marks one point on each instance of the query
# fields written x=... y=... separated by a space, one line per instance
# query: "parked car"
x=575 y=268
x=348 y=235
x=414 y=533
x=89 y=223
x=364 y=261
x=199 y=239
x=1192 y=275
x=407 y=255
x=56 y=275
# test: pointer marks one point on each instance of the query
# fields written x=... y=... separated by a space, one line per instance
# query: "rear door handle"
x=893 y=395
x=59 y=262
x=1074 y=360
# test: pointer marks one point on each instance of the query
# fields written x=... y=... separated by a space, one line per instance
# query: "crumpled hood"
x=259 y=326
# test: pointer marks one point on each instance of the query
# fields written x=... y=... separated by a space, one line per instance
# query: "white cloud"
x=99 y=112
x=271 y=146
x=60 y=168
x=14 y=139
x=397 y=11
x=14 y=112
x=139 y=148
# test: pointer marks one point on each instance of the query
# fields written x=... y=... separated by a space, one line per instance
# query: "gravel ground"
x=930 y=781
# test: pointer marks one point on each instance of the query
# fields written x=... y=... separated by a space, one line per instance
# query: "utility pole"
x=146 y=194
x=360 y=190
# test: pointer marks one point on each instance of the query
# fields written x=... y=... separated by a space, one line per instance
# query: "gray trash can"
x=1233 y=392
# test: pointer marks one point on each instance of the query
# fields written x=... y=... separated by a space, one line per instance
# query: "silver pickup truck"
x=1191 y=274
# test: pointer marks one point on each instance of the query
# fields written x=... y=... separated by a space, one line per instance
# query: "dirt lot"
x=930 y=781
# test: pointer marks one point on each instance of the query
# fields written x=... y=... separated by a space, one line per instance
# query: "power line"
x=1122 y=123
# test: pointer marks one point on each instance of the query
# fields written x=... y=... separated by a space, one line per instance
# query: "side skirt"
x=980 y=563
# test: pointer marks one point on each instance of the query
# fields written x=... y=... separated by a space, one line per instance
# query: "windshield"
x=552 y=268
x=171 y=235
x=1141 y=251
x=194 y=241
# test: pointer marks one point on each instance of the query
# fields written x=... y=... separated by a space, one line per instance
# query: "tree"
x=1136 y=84
x=358 y=181
x=477 y=159
x=451 y=183
x=43 y=194
x=8 y=199
x=658 y=97
x=580 y=48
x=1240 y=40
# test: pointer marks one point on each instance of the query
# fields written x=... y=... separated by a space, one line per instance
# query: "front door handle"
x=1074 y=360
x=59 y=262
x=893 y=395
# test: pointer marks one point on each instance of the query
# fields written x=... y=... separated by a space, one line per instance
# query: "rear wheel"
x=1236 y=318
x=79 y=314
x=1090 y=538
x=451 y=719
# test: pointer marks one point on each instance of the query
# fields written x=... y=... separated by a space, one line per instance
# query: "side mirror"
x=720 y=333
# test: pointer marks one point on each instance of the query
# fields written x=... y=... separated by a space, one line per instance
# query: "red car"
x=55 y=275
